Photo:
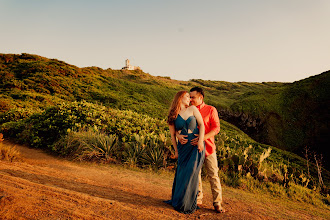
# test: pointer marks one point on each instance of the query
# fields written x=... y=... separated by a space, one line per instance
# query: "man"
x=212 y=127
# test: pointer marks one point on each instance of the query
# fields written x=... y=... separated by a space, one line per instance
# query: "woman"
x=184 y=119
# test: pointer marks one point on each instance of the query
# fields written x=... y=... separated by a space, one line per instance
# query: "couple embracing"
x=194 y=124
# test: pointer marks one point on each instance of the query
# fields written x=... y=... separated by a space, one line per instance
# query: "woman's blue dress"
x=190 y=161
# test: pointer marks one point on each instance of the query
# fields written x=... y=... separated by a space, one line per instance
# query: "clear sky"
x=227 y=40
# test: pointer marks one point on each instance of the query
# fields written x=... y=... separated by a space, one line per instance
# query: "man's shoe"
x=219 y=209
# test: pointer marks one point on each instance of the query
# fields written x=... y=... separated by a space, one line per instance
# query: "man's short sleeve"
x=214 y=119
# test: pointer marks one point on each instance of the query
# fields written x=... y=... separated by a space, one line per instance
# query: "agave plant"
x=154 y=154
x=94 y=145
x=107 y=145
x=134 y=151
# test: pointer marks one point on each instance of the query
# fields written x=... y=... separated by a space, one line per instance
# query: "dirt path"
x=45 y=187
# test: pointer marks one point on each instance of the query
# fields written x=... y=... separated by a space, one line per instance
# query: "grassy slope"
x=45 y=81
x=305 y=105
x=39 y=81
x=30 y=81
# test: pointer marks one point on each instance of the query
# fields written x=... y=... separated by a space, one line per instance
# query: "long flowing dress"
x=190 y=161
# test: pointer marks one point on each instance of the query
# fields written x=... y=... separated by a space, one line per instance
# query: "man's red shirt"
x=211 y=122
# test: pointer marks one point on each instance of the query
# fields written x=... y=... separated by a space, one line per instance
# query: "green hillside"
x=276 y=113
x=34 y=81
x=269 y=112
x=34 y=88
x=46 y=81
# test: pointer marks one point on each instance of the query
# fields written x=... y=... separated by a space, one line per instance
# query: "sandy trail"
x=46 y=187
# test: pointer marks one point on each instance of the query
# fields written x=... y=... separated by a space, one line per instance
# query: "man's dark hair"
x=198 y=89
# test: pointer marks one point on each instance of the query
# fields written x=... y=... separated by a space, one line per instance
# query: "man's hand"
x=195 y=140
x=182 y=138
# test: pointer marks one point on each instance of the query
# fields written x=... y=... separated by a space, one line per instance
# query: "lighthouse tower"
x=127 y=63
x=129 y=67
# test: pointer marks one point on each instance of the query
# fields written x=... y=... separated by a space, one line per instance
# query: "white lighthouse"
x=129 y=67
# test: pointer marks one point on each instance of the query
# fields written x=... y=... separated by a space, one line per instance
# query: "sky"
x=223 y=40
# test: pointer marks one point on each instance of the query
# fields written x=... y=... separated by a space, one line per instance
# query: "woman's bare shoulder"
x=192 y=107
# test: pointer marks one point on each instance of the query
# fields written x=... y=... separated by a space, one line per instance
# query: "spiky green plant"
x=88 y=145
x=134 y=151
x=99 y=146
x=154 y=154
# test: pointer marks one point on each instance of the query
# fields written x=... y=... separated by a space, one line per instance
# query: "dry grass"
x=7 y=152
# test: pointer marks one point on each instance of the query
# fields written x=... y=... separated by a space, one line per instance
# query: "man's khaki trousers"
x=211 y=165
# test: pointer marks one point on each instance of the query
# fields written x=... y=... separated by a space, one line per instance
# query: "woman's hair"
x=175 y=107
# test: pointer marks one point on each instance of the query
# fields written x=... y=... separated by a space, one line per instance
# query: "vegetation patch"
x=8 y=153
x=118 y=116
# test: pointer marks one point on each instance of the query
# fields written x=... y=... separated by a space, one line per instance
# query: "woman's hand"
x=176 y=155
x=200 y=146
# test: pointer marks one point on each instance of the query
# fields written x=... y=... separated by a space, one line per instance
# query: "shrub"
x=99 y=146
x=232 y=179
x=134 y=151
x=59 y=120
x=154 y=154
x=88 y=145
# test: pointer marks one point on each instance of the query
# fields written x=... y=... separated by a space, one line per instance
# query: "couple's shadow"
x=202 y=210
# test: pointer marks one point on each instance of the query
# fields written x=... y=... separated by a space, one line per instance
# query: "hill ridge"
x=259 y=109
